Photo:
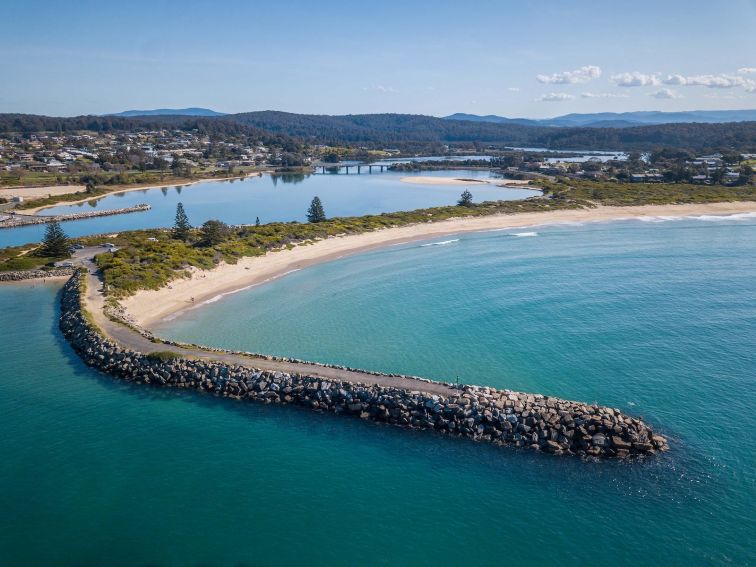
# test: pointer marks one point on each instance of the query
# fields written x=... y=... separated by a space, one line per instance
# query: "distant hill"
x=170 y=112
x=494 y=119
x=619 y=119
x=410 y=131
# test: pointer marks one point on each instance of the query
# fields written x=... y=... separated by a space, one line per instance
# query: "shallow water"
x=272 y=198
x=658 y=319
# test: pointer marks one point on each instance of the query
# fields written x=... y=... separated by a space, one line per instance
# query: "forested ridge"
x=406 y=131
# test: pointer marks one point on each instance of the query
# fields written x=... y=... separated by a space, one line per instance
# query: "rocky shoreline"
x=502 y=417
x=13 y=220
x=21 y=275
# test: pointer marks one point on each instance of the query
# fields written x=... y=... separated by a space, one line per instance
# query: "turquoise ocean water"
x=658 y=319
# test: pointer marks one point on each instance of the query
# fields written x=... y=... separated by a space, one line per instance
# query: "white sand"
x=431 y=180
x=38 y=192
x=148 y=307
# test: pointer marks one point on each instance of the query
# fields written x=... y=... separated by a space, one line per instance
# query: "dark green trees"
x=214 y=232
x=316 y=213
x=181 y=228
x=55 y=243
x=466 y=199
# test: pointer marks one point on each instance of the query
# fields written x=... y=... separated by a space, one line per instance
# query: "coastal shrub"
x=163 y=355
x=150 y=259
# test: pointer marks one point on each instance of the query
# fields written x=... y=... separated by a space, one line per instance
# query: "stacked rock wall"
x=20 y=275
x=483 y=414
x=18 y=219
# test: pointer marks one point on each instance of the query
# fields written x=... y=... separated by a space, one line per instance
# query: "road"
x=130 y=339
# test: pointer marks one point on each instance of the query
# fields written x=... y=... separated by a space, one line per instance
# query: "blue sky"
x=532 y=59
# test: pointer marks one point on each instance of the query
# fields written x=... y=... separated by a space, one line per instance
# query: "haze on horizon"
x=513 y=59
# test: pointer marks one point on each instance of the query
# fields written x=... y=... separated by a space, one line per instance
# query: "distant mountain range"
x=428 y=134
x=619 y=119
x=171 y=112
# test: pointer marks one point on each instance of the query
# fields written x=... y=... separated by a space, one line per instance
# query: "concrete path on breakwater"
x=130 y=339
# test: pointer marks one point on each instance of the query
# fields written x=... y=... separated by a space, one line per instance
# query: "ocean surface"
x=271 y=198
x=655 y=318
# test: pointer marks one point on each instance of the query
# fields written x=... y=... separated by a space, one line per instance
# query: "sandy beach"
x=39 y=192
x=149 y=307
x=431 y=180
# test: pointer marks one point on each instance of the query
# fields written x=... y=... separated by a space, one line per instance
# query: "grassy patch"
x=17 y=258
x=163 y=355
x=628 y=194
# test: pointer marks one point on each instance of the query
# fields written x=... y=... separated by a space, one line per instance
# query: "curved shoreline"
x=148 y=307
x=478 y=413
x=129 y=189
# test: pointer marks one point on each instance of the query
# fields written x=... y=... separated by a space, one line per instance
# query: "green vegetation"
x=163 y=355
x=214 y=232
x=16 y=258
x=625 y=194
x=465 y=199
x=316 y=213
x=55 y=243
x=181 y=227
x=149 y=259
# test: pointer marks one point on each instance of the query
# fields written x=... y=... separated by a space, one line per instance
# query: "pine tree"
x=316 y=213
x=181 y=227
x=466 y=199
x=214 y=232
x=55 y=243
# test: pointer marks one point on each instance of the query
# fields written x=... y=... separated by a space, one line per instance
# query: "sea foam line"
x=442 y=243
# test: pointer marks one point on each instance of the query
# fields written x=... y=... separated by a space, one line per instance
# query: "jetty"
x=108 y=342
x=13 y=219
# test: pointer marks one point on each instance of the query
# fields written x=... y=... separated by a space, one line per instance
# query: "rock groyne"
x=21 y=275
x=501 y=417
x=12 y=219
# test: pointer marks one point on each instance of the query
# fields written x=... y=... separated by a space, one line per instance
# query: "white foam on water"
x=705 y=218
x=442 y=243
x=719 y=218
x=522 y=234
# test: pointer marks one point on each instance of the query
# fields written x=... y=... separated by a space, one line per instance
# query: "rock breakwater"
x=501 y=417
x=12 y=220
x=20 y=275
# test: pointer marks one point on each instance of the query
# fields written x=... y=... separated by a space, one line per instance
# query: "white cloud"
x=554 y=97
x=582 y=75
x=666 y=93
x=514 y=89
x=721 y=81
x=604 y=95
x=380 y=89
x=746 y=70
x=635 y=79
